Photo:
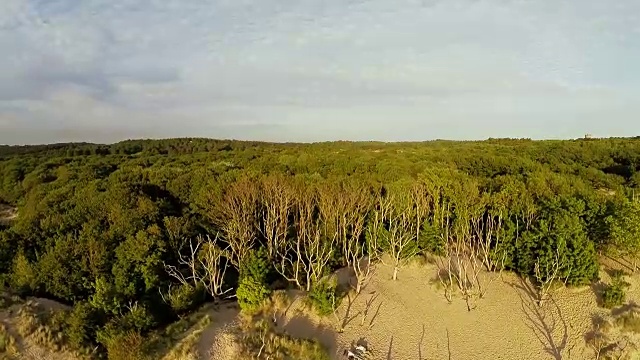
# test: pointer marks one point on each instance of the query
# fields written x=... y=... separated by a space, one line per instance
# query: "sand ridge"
x=410 y=318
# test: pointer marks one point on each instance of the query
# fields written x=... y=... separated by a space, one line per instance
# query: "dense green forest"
x=135 y=234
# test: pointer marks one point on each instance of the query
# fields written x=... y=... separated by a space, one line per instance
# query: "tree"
x=204 y=264
x=624 y=230
x=343 y=209
x=236 y=217
x=398 y=234
x=304 y=258
x=276 y=202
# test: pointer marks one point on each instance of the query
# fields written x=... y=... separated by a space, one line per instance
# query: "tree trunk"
x=395 y=273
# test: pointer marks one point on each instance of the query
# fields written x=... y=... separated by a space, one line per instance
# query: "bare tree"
x=462 y=271
x=395 y=210
x=546 y=275
x=277 y=200
x=303 y=259
x=214 y=264
x=205 y=263
x=236 y=217
x=343 y=208
x=189 y=261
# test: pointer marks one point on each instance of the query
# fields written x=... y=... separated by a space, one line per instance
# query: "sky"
x=318 y=70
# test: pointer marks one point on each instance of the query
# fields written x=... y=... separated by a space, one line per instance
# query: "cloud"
x=105 y=70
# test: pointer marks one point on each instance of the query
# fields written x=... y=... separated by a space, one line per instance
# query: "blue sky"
x=312 y=70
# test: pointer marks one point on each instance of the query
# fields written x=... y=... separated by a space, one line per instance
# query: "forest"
x=137 y=234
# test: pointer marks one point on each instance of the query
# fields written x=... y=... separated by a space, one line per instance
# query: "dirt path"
x=216 y=341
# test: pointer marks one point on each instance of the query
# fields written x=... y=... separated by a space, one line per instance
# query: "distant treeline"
x=136 y=233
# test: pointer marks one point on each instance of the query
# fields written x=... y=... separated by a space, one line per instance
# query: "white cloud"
x=307 y=70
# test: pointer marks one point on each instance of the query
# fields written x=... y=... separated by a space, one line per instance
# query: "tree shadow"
x=420 y=344
x=621 y=262
x=545 y=321
x=389 y=353
x=302 y=327
x=448 y=346
x=347 y=319
x=626 y=308
x=375 y=315
x=598 y=290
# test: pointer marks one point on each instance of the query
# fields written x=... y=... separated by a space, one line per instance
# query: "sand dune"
x=411 y=319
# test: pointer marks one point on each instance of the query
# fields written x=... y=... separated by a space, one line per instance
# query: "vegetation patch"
x=614 y=294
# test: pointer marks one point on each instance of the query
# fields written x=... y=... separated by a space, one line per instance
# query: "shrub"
x=251 y=294
x=23 y=278
x=253 y=289
x=324 y=297
x=127 y=346
x=614 y=294
x=629 y=322
x=80 y=325
x=185 y=297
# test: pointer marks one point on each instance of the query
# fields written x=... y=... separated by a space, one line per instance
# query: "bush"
x=80 y=325
x=251 y=294
x=185 y=297
x=127 y=346
x=614 y=294
x=324 y=297
x=253 y=289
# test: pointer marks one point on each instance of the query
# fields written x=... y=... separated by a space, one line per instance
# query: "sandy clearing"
x=217 y=341
x=411 y=319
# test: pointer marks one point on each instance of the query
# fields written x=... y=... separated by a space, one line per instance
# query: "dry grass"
x=258 y=335
x=182 y=337
x=41 y=326
x=8 y=344
x=258 y=339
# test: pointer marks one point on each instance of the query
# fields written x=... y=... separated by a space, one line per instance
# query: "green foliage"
x=81 y=325
x=130 y=345
x=324 y=297
x=430 y=241
x=184 y=297
x=253 y=289
x=23 y=276
x=624 y=228
x=97 y=224
x=614 y=294
x=251 y=293
x=105 y=297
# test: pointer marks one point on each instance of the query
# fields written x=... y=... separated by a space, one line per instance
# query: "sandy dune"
x=411 y=319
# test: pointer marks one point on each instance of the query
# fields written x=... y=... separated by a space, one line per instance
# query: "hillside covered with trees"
x=135 y=234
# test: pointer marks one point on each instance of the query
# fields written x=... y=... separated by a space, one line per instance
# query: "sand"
x=411 y=319
x=7 y=214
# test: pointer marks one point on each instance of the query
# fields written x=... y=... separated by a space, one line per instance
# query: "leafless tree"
x=277 y=200
x=395 y=210
x=546 y=274
x=236 y=217
x=205 y=263
x=188 y=260
x=304 y=258
x=214 y=264
x=344 y=208
x=461 y=271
